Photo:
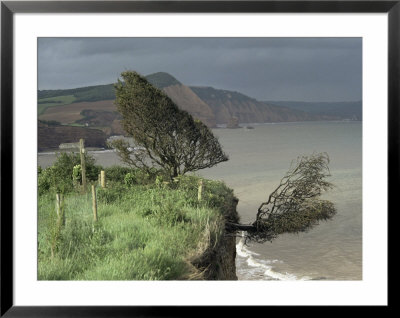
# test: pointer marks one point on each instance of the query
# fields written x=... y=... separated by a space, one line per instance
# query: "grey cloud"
x=264 y=68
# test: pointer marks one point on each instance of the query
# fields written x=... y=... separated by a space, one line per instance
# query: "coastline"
x=251 y=179
x=218 y=127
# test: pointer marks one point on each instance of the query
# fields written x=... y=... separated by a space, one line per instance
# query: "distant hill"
x=183 y=96
x=93 y=108
x=341 y=110
x=228 y=104
x=82 y=94
x=102 y=92
x=162 y=80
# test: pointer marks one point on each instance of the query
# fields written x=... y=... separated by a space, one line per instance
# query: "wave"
x=265 y=266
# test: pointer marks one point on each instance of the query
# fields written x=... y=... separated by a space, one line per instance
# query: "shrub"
x=117 y=173
x=112 y=193
x=147 y=176
x=44 y=180
x=215 y=193
x=65 y=163
x=49 y=179
x=135 y=176
x=130 y=179
x=61 y=175
x=170 y=214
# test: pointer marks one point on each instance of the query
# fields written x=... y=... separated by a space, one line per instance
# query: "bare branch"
x=295 y=205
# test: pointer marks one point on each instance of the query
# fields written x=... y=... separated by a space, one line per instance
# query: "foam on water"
x=254 y=260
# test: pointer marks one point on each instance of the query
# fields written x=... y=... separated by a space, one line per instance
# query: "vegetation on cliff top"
x=147 y=229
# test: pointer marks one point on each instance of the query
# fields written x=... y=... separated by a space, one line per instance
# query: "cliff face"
x=217 y=261
x=183 y=97
x=227 y=105
x=225 y=267
x=187 y=100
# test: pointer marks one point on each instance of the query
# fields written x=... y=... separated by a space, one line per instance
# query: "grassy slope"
x=45 y=103
x=92 y=93
x=143 y=232
x=76 y=95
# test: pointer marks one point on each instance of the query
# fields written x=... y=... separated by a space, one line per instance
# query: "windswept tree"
x=295 y=205
x=169 y=138
x=165 y=136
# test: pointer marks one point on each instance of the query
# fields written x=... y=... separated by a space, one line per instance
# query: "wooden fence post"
x=60 y=222
x=200 y=190
x=94 y=203
x=58 y=204
x=60 y=208
x=83 y=163
x=103 y=178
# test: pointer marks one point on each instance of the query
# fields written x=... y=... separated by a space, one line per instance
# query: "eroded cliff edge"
x=217 y=262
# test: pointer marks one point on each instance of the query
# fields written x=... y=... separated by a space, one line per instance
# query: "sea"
x=258 y=159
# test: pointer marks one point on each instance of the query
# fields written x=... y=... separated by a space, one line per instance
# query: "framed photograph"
x=163 y=155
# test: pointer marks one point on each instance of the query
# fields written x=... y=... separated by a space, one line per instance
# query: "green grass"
x=45 y=103
x=82 y=94
x=147 y=232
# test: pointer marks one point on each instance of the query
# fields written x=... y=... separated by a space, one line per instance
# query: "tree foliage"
x=295 y=205
x=164 y=135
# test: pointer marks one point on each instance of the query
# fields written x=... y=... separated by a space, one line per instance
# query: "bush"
x=117 y=173
x=170 y=214
x=130 y=176
x=49 y=179
x=44 y=180
x=66 y=161
x=215 y=193
x=130 y=179
x=114 y=192
x=60 y=176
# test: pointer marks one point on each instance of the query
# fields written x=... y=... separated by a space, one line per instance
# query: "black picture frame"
x=8 y=8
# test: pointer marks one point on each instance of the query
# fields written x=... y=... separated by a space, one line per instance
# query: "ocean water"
x=258 y=159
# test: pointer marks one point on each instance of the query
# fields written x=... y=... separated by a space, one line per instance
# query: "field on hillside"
x=65 y=105
x=68 y=114
x=45 y=103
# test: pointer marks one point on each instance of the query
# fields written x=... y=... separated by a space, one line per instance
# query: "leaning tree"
x=164 y=135
x=168 y=137
x=296 y=204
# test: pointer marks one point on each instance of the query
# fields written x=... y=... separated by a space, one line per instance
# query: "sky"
x=267 y=69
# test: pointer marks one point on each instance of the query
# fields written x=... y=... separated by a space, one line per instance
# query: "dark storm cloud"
x=307 y=69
